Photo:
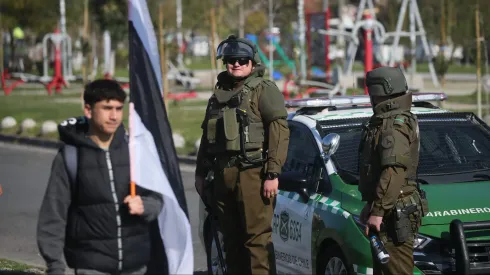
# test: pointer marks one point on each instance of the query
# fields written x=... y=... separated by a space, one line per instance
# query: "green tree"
x=29 y=14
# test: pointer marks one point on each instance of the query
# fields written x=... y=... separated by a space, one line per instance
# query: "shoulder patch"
x=387 y=141
x=399 y=120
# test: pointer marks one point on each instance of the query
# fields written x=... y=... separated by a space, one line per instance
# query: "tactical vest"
x=228 y=115
x=370 y=160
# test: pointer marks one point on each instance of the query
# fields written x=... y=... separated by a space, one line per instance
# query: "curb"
x=54 y=144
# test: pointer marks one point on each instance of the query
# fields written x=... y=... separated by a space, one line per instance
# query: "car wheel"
x=212 y=256
x=332 y=262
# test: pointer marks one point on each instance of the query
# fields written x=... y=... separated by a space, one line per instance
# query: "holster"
x=405 y=218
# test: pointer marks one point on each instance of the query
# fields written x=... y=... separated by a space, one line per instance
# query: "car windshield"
x=453 y=143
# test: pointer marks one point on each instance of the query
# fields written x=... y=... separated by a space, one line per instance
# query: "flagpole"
x=153 y=159
x=132 y=184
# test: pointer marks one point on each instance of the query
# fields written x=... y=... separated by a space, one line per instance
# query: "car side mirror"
x=293 y=181
x=330 y=144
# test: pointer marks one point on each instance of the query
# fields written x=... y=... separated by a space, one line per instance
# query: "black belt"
x=237 y=160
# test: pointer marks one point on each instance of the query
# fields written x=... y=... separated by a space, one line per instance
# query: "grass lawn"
x=468 y=99
x=204 y=63
x=185 y=117
x=11 y=267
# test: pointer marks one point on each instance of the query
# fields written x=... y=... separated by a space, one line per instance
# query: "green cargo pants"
x=245 y=218
x=401 y=258
x=401 y=254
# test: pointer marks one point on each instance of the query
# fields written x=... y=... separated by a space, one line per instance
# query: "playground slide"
x=279 y=50
x=284 y=57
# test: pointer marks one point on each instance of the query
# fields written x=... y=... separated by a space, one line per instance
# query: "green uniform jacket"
x=389 y=154
x=266 y=102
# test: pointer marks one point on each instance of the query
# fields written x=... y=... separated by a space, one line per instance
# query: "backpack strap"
x=70 y=155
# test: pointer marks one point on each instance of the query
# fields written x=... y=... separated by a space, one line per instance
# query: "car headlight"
x=421 y=241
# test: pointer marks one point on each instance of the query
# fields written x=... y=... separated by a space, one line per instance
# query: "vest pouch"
x=211 y=130
x=232 y=130
x=255 y=155
x=256 y=133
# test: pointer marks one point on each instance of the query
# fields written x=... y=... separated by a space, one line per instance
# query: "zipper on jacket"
x=116 y=205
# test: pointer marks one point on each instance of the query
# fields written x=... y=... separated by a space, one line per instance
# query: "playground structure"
x=180 y=74
x=63 y=69
x=317 y=34
x=276 y=48
x=61 y=76
x=316 y=52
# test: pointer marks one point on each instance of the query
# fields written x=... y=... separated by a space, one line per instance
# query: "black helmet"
x=237 y=47
x=386 y=81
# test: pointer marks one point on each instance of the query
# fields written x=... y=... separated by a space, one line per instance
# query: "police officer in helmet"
x=244 y=143
x=388 y=161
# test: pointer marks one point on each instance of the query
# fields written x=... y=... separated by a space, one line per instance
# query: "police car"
x=316 y=227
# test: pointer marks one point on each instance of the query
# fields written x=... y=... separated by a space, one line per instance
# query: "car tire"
x=331 y=261
x=211 y=254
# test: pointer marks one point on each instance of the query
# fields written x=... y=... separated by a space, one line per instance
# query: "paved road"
x=24 y=173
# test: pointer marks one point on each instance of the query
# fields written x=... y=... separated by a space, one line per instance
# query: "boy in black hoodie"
x=93 y=220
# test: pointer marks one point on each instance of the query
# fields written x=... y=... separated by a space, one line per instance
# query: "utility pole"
x=241 y=15
x=413 y=42
x=327 y=40
x=85 y=38
x=64 y=45
x=180 y=39
x=301 y=25
x=340 y=38
x=478 y=57
x=443 y=24
x=212 y=15
x=271 y=37
x=442 y=47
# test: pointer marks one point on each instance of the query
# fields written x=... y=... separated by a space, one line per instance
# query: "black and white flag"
x=154 y=163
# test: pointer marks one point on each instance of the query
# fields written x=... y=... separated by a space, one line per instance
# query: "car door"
x=292 y=222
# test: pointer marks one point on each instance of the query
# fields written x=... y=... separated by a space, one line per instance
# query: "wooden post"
x=213 y=46
x=443 y=24
x=163 y=58
x=443 y=40
x=241 y=16
x=93 y=53
x=450 y=16
x=85 y=37
x=221 y=10
x=86 y=56
x=478 y=57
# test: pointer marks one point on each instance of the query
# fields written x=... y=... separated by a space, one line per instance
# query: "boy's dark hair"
x=103 y=89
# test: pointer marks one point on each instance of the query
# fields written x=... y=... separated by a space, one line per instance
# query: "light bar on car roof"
x=354 y=100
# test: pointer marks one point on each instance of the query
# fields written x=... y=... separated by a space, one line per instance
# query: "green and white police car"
x=316 y=227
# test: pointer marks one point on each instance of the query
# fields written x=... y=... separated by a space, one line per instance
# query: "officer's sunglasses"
x=241 y=60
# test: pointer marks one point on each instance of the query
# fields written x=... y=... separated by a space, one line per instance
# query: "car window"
x=303 y=154
x=447 y=145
